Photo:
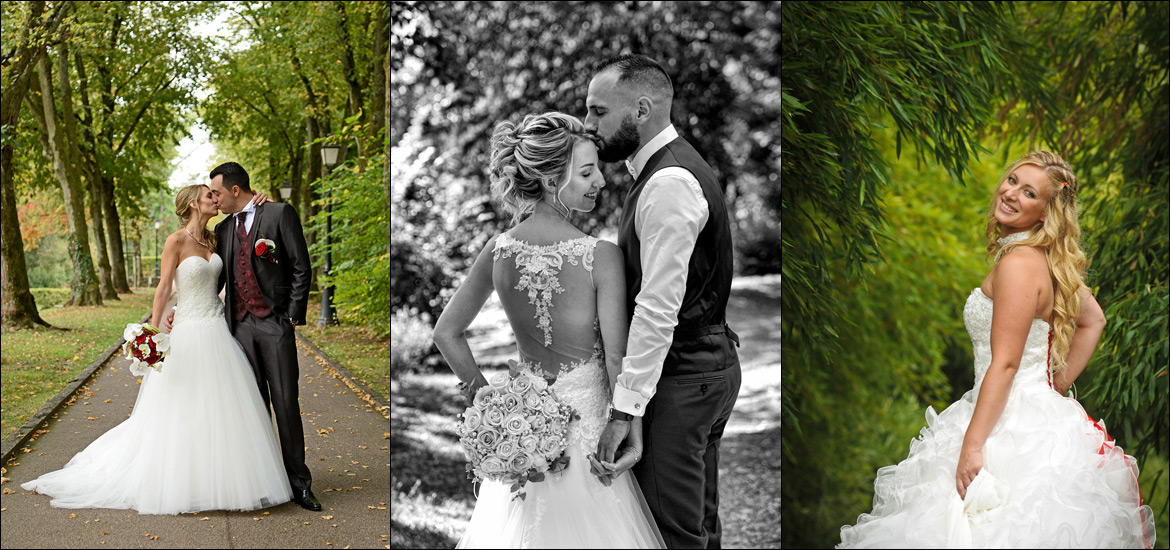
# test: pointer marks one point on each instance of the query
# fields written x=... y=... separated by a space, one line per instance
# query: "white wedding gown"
x=1051 y=477
x=571 y=509
x=199 y=437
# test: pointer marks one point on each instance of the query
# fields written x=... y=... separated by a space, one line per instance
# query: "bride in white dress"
x=199 y=437
x=1014 y=463
x=563 y=292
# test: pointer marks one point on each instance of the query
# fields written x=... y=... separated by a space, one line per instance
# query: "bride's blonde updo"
x=1059 y=237
x=184 y=210
x=528 y=156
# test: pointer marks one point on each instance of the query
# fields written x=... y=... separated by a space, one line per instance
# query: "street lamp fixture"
x=286 y=190
x=329 y=155
x=329 y=158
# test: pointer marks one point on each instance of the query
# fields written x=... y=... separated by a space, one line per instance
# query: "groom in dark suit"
x=681 y=370
x=267 y=275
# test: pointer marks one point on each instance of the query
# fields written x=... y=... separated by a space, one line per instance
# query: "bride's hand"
x=469 y=390
x=970 y=463
x=259 y=199
x=596 y=468
x=627 y=456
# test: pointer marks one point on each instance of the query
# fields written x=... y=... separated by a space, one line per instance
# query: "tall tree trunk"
x=109 y=202
x=83 y=288
x=379 y=83
x=18 y=308
x=114 y=235
x=111 y=264
x=295 y=161
x=355 y=97
x=313 y=132
x=95 y=213
x=80 y=166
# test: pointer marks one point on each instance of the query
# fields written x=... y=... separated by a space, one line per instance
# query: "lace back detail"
x=539 y=267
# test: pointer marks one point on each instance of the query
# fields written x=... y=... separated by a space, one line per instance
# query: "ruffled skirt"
x=1051 y=478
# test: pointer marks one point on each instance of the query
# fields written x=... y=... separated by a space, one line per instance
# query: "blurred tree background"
x=898 y=119
x=461 y=67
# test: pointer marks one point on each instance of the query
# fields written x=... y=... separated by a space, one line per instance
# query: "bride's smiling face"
x=585 y=180
x=1022 y=197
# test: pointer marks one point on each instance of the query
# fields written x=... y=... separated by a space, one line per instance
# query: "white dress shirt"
x=670 y=213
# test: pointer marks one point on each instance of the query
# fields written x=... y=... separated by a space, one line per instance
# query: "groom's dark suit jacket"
x=284 y=284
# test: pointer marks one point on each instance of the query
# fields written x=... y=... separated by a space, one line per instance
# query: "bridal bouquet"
x=146 y=346
x=515 y=430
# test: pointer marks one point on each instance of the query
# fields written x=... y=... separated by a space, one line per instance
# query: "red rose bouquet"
x=147 y=346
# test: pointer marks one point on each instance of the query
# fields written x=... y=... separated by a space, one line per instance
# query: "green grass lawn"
x=355 y=347
x=37 y=364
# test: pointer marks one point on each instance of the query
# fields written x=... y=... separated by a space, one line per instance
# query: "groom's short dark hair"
x=233 y=174
x=641 y=71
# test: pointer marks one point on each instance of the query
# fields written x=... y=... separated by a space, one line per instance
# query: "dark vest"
x=248 y=298
x=702 y=340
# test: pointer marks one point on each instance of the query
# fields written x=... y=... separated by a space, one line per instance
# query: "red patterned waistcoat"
x=247 y=297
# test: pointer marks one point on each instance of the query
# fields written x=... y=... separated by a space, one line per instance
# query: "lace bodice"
x=539 y=267
x=196 y=284
x=551 y=302
x=1033 y=363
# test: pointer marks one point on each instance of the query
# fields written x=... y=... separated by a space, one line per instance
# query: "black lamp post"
x=285 y=190
x=157 y=258
x=329 y=158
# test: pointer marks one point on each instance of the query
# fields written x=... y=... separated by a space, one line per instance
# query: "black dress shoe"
x=306 y=499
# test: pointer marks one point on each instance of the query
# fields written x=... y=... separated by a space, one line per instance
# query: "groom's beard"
x=622 y=144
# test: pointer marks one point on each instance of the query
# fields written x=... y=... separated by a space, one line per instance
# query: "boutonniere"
x=266 y=249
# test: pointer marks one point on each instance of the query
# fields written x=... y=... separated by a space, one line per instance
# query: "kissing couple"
x=632 y=336
x=200 y=436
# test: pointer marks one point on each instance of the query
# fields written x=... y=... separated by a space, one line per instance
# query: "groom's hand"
x=168 y=320
x=611 y=438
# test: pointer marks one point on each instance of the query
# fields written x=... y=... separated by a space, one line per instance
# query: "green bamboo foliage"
x=880 y=248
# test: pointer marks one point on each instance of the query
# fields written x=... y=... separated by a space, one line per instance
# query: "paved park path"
x=347 y=451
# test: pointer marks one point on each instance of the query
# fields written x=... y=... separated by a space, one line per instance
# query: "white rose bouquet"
x=146 y=345
x=515 y=430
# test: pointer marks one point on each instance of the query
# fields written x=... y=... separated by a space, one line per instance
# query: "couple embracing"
x=633 y=336
x=200 y=436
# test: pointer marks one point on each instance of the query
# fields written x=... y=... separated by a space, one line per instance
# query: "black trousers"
x=271 y=347
x=679 y=470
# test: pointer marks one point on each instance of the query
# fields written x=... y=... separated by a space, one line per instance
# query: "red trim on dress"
x=1107 y=443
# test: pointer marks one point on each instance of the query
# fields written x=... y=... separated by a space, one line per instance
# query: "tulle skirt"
x=1051 y=478
x=571 y=509
x=199 y=438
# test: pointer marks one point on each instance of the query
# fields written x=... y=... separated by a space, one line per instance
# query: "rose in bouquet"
x=515 y=430
x=146 y=346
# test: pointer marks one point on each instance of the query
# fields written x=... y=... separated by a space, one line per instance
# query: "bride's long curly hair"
x=1059 y=237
